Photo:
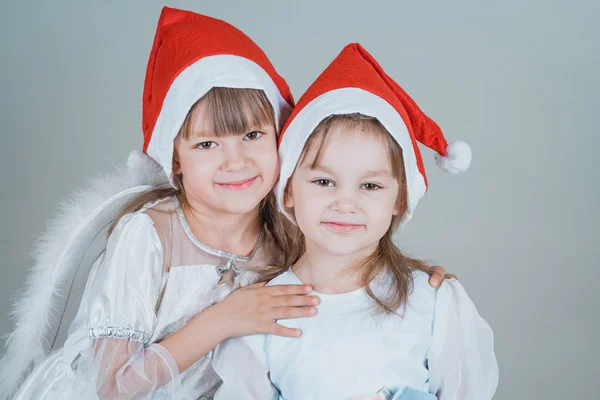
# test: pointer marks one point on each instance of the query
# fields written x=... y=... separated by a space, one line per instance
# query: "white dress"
x=440 y=346
x=152 y=279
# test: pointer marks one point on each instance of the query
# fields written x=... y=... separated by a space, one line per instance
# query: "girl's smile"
x=238 y=185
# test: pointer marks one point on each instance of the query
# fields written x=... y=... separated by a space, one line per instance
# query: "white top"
x=131 y=302
x=441 y=346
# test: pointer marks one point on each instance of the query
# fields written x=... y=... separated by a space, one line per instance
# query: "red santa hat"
x=355 y=83
x=191 y=54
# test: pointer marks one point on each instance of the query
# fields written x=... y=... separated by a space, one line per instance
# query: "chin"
x=342 y=248
x=241 y=206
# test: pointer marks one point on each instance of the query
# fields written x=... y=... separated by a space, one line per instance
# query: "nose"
x=234 y=156
x=346 y=202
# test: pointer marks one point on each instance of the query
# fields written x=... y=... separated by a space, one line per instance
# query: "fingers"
x=293 y=312
x=280 y=290
x=451 y=276
x=437 y=276
x=295 y=300
x=276 y=329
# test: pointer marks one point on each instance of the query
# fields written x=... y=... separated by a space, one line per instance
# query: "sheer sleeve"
x=461 y=360
x=242 y=364
x=120 y=305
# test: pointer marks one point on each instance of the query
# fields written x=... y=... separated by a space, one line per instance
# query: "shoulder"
x=452 y=292
x=133 y=222
x=421 y=280
x=421 y=286
x=161 y=212
x=166 y=204
x=449 y=291
x=421 y=296
x=145 y=215
x=134 y=231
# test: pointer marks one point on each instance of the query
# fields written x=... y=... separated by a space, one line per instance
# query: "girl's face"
x=344 y=204
x=230 y=174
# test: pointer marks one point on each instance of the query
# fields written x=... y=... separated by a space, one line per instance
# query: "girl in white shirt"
x=351 y=175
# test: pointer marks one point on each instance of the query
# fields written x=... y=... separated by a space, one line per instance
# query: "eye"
x=323 y=182
x=206 y=145
x=370 y=186
x=253 y=135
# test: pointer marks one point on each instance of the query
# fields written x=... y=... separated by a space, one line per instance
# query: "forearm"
x=202 y=334
x=117 y=369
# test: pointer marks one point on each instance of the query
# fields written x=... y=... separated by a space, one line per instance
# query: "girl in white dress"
x=151 y=311
x=351 y=175
x=155 y=303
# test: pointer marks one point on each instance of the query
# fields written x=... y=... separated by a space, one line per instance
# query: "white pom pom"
x=142 y=168
x=139 y=160
x=457 y=159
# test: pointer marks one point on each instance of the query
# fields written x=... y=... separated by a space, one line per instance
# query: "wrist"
x=219 y=321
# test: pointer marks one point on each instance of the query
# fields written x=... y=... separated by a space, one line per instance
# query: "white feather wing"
x=58 y=255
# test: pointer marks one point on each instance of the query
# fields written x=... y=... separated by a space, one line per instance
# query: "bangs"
x=359 y=124
x=231 y=111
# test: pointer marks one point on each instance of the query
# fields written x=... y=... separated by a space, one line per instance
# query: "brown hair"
x=229 y=111
x=387 y=256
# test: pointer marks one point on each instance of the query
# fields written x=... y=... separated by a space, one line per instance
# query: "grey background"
x=516 y=79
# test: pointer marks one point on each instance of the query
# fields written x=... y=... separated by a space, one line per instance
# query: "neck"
x=330 y=273
x=233 y=233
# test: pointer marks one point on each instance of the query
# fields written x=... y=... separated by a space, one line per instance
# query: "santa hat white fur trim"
x=194 y=82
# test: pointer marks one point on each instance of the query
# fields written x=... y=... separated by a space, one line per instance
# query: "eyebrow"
x=321 y=168
x=211 y=135
x=378 y=172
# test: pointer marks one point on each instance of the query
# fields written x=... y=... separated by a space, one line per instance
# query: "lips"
x=342 y=227
x=238 y=185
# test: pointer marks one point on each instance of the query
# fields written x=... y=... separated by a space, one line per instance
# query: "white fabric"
x=118 y=313
x=130 y=304
x=64 y=254
x=440 y=345
x=195 y=81
x=461 y=363
x=347 y=101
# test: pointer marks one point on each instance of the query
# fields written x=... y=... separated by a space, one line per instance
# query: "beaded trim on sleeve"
x=118 y=332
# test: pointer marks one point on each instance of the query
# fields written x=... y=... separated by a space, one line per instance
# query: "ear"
x=288 y=197
x=400 y=205
x=176 y=165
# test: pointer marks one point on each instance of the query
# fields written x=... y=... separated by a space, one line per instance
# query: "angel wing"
x=63 y=258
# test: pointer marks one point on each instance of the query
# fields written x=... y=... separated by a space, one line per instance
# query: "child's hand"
x=437 y=275
x=255 y=308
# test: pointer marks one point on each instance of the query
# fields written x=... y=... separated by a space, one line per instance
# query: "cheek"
x=381 y=211
x=268 y=160
x=308 y=202
x=308 y=215
x=197 y=166
x=199 y=169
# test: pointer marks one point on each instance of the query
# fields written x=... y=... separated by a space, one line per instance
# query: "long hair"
x=230 y=111
x=387 y=256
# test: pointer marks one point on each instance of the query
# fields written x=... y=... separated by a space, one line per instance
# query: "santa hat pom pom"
x=457 y=158
x=142 y=168
x=138 y=160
